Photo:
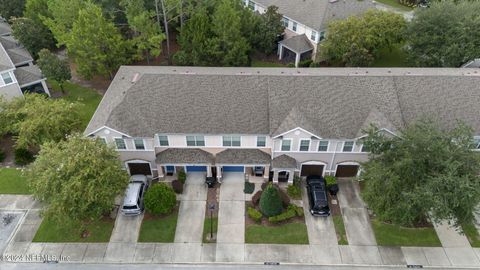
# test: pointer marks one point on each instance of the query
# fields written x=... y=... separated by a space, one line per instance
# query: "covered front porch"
x=284 y=168
x=254 y=164
x=296 y=48
x=173 y=160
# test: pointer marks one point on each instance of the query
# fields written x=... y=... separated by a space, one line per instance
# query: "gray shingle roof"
x=284 y=162
x=9 y=42
x=5 y=62
x=5 y=29
x=318 y=13
x=27 y=75
x=243 y=156
x=19 y=56
x=184 y=156
x=298 y=43
x=329 y=102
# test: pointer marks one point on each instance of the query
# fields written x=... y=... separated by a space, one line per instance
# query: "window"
x=195 y=141
x=304 y=145
x=285 y=22
x=231 y=140
x=294 y=26
x=348 y=146
x=120 y=143
x=365 y=148
x=139 y=144
x=323 y=146
x=251 y=5
x=286 y=145
x=7 y=79
x=322 y=36
x=313 y=36
x=261 y=141
x=163 y=140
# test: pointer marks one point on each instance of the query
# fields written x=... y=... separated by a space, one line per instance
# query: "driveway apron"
x=191 y=214
x=355 y=215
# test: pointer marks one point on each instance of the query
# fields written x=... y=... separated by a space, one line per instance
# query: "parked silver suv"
x=133 y=201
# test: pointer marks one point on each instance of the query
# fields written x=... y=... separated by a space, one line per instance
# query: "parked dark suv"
x=317 y=196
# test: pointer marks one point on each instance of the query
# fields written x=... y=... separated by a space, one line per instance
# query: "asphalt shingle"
x=184 y=156
x=243 y=156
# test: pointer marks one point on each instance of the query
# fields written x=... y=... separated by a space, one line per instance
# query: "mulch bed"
x=212 y=197
x=265 y=222
x=334 y=208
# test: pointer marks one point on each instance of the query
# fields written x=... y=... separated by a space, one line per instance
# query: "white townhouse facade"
x=306 y=22
x=276 y=122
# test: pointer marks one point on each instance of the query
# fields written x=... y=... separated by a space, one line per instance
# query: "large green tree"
x=77 y=179
x=61 y=16
x=95 y=44
x=11 y=8
x=32 y=34
x=268 y=29
x=427 y=172
x=445 y=35
x=36 y=10
x=37 y=119
x=357 y=40
x=53 y=67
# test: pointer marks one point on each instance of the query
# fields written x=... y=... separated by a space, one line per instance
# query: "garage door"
x=139 y=168
x=233 y=169
x=311 y=170
x=346 y=171
x=196 y=169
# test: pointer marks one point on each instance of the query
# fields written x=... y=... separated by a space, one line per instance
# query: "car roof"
x=138 y=178
x=131 y=194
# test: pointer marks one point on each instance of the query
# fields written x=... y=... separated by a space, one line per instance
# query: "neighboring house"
x=17 y=71
x=306 y=22
x=286 y=121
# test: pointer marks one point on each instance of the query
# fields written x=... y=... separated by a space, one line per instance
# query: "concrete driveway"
x=126 y=228
x=192 y=210
x=231 y=219
x=355 y=215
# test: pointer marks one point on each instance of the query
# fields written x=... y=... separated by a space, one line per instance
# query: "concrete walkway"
x=191 y=214
x=355 y=215
x=231 y=219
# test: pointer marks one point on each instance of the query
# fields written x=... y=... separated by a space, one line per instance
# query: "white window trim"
x=116 y=146
x=144 y=144
x=256 y=143
x=300 y=144
x=168 y=141
x=196 y=141
x=231 y=140
x=343 y=146
x=12 y=77
x=318 y=146
x=281 y=145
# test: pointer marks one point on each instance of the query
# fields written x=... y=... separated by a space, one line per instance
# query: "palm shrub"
x=270 y=202
x=160 y=199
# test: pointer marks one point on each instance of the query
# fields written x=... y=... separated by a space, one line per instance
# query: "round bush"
x=270 y=202
x=160 y=199
x=177 y=186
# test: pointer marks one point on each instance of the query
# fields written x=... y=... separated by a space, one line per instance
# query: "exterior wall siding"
x=10 y=91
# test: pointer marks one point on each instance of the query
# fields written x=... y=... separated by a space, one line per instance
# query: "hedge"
x=254 y=214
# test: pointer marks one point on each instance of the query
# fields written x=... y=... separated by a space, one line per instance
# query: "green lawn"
x=12 y=182
x=395 y=4
x=51 y=231
x=472 y=234
x=206 y=228
x=394 y=235
x=395 y=57
x=290 y=233
x=258 y=63
x=89 y=97
x=159 y=229
x=340 y=229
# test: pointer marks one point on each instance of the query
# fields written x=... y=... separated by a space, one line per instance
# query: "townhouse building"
x=271 y=122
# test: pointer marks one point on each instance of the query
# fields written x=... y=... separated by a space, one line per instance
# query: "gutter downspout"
x=333 y=156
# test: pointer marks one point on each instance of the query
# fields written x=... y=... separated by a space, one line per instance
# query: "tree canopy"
x=428 y=172
x=36 y=119
x=77 y=179
x=445 y=35
x=11 y=8
x=356 y=41
x=53 y=67
x=32 y=35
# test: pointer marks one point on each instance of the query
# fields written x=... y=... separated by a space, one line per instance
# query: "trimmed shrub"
x=290 y=213
x=256 y=198
x=270 y=202
x=182 y=176
x=331 y=180
x=177 y=186
x=294 y=192
x=264 y=185
x=254 y=214
x=315 y=64
x=160 y=199
x=249 y=188
x=284 y=197
x=298 y=210
x=23 y=156
x=2 y=155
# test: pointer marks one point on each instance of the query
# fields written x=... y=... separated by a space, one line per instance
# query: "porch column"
x=266 y=172
x=209 y=171
x=161 y=172
x=219 y=173
x=275 y=176
x=280 y=51
x=290 y=176
x=297 y=59
x=45 y=88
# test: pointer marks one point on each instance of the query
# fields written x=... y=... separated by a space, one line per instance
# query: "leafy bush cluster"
x=160 y=199
x=294 y=192
x=182 y=176
x=23 y=156
x=271 y=202
x=331 y=180
x=254 y=214
x=177 y=186
x=2 y=155
x=292 y=211
x=249 y=188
